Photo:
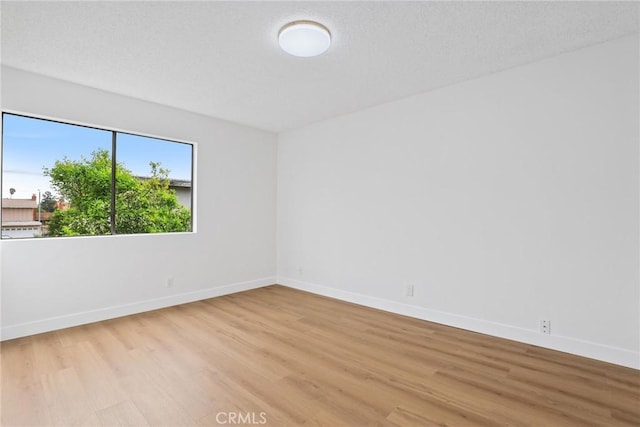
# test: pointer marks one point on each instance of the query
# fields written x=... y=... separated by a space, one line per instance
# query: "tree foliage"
x=48 y=202
x=142 y=205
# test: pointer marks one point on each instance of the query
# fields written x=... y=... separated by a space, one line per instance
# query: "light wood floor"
x=292 y=358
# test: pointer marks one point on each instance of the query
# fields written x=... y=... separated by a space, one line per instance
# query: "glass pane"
x=153 y=185
x=56 y=179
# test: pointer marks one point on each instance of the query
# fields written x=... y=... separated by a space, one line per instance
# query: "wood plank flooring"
x=276 y=356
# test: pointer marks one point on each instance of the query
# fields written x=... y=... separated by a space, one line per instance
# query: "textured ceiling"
x=221 y=58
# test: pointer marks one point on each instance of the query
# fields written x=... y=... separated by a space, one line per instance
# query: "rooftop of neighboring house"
x=21 y=224
x=179 y=183
x=172 y=182
x=20 y=203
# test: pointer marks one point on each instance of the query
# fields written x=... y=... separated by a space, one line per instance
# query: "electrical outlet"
x=409 y=291
x=545 y=326
x=169 y=283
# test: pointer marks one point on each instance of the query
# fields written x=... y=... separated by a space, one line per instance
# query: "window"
x=60 y=179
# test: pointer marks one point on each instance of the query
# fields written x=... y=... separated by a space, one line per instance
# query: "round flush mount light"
x=304 y=38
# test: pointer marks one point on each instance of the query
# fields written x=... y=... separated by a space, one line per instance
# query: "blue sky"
x=30 y=144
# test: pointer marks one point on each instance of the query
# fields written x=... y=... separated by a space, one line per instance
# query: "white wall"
x=504 y=200
x=52 y=283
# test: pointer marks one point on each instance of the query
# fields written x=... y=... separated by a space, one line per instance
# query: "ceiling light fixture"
x=304 y=38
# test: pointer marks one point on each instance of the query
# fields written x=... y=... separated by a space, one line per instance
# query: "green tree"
x=48 y=202
x=142 y=205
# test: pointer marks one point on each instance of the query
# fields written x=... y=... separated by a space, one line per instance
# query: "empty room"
x=320 y=213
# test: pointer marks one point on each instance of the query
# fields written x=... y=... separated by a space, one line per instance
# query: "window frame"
x=114 y=131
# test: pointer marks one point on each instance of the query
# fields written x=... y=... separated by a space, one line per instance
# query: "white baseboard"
x=618 y=356
x=82 y=318
x=592 y=350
